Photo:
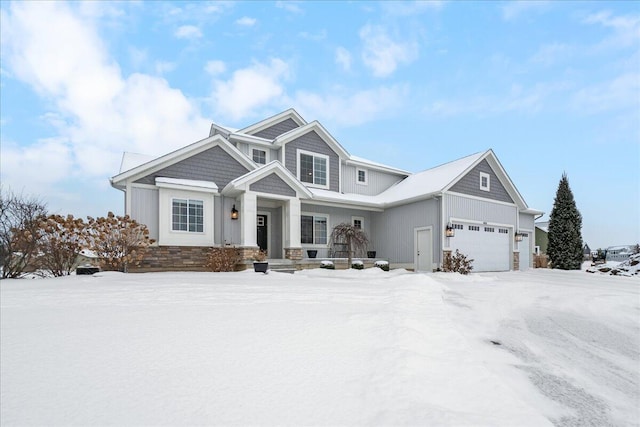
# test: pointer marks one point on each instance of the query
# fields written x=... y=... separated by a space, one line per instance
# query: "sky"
x=551 y=87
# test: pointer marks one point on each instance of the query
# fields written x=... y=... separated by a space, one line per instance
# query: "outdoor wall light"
x=449 y=231
x=519 y=237
x=234 y=212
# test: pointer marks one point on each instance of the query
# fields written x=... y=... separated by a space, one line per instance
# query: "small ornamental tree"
x=565 y=224
x=355 y=238
x=19 y=221
x=61 y=240
x=118 y=241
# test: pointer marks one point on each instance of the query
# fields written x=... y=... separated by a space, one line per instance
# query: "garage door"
x=487 y=245
x=525 y=251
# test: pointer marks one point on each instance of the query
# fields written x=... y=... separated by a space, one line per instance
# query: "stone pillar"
x=248 y=212
x=293 y=253
x=516 y=261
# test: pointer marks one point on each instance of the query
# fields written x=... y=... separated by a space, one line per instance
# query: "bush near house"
x=223 y=259
x=457 y=263
x=61 y=239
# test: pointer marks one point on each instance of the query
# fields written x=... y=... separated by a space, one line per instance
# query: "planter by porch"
x=371 y=254
x=260 y=266
x=312 y=253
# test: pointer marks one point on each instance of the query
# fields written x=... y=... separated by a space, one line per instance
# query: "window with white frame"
x=361 y=176
x=313 y=229
x=259 y=156
x=187 y=215
x=313 y=168
x=357 y=222
x=485 y=181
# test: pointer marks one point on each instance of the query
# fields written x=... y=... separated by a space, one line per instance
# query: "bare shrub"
x=118 y=241
x=457 y=263
x=355 y=238
x=60 y=241
x=19 y=221
x=223 y=259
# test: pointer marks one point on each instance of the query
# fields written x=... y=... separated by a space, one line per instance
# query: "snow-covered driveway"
x=318 y=348
x=575 y=336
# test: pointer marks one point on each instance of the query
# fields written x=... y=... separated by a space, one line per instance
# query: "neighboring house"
x=283 y=183
x=586 y=251
x=619 y=253
x=542 y=237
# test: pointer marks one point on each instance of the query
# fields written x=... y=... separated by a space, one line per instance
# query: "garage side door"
x=487 y=245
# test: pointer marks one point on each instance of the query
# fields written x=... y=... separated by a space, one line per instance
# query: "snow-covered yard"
x=321 y=347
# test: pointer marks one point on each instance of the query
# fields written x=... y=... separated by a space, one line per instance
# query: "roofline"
x=315 y=125
x=273 y=166
x=377 y=166
x=270 y=121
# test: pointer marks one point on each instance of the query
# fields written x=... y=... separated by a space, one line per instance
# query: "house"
x=619 y=253
x=283 y=183
x=542 y=237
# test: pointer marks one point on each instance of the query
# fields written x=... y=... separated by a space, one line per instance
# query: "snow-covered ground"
x=321 y=347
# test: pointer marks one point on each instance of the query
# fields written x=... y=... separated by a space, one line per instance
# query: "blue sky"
x=551 y=87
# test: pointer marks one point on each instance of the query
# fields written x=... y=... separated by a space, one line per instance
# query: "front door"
x=424 y=255
x=262 y=232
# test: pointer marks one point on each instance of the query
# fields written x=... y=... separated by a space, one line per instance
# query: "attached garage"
x=488 y=245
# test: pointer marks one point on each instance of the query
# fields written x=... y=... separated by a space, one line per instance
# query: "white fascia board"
x=418 y=198
x=250 y=139
x=510 y=187
x=273 y=120
x=187 y=184
x=375 y=166
x=182 y=154
x=320 y=130
x=345 y=204
x=532 y=211
x=242 y=183
x=225 y=132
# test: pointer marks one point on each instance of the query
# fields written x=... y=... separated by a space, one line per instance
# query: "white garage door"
x=525 y=251
x=487 y=245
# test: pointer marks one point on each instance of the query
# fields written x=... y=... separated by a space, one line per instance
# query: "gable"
x=470 y=184
x=214 y=164
x=273 y=184
x=312 y=142
x=278 y=129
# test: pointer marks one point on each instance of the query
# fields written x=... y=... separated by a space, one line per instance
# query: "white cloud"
x=382 y=54
x=246 y=21
x=215 y=67
x=250 y=88
x=163 y=67
x=290 y=6
x=96 y=111
x=343 y=107
x=316 y=37
x=188 y=32
x=620 y=93
x=411 y=8
x=551 y=53
x=513 y=10
x=626 y=29
x=343 y=58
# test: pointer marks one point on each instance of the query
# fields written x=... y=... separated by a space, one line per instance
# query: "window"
x=503 y=231
x=313 y=168
x=260 y=156
x=187 y=215
x=485 y=181
x=361 y=176
x=458 y=227
x=489 y=229
x=313 y=229
x=357 y=222
x=474 y=228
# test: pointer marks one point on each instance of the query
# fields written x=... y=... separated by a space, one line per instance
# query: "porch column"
x=292 y=245
x=248 y=211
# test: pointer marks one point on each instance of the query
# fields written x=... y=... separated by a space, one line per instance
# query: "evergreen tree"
x=565 y=224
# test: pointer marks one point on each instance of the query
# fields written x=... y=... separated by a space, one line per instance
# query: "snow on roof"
x=187 y=183
x=544 y=226
x=429 y=181
x=377 y=165
x=132 y=160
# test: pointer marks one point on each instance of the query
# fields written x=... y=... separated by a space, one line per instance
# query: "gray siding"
x=145 y=209
x=478 y=210
x=312 y=142
x=273 y=184
x=277 y=129
x=394 y=230
x=229 y=229
x=214 y=165
x=336 y=216
x=527 y=221
x=377 y=181
x=470 y=184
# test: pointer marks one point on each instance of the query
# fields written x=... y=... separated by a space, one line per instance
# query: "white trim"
x=266 y=154
x=320 y=130
x=314 y=215
x=187 y=184
x=274 y=120
x=327 y=159
x=145 y=186
x=366 y=176
x=243 y=182
x=250 y=139
x=357 y=161
x=187 y=232
x=268 y=215
x=488 y=177
x=475 y=222
x=344 y=205
x=361 y=218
